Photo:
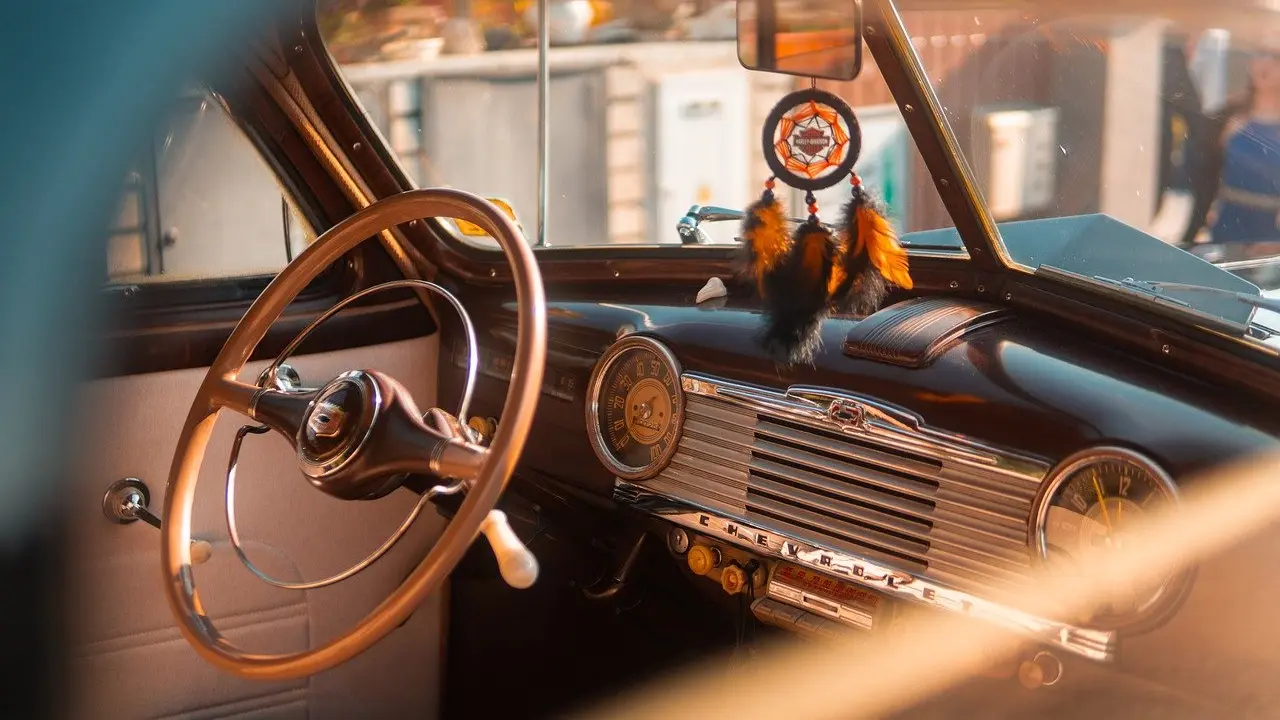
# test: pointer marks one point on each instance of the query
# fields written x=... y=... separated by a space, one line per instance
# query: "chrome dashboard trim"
x=851 y=414
x=968 y=471
x=1093 y=644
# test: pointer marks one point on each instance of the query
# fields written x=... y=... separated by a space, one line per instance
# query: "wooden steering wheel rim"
x=220 y=384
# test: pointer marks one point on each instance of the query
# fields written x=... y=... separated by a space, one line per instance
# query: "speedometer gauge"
x=1089 y=504
x=635 y=407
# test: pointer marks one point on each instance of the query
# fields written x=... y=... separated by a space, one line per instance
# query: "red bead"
x=768 y=184
x=813 y=209
x=855 y=180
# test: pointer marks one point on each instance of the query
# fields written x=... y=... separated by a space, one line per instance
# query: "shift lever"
x=516 y=563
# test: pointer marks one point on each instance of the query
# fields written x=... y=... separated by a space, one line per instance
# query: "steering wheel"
x=357 y=435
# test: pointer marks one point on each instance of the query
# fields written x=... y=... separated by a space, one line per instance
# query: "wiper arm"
x=1155 y=291
x=1157 y=288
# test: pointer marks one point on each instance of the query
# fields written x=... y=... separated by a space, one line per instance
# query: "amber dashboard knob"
x=733 y=579
x=486 y=427
x=703 y=559
x=1040 y=670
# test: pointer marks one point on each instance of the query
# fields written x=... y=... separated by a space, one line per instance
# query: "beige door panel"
x=128 y=658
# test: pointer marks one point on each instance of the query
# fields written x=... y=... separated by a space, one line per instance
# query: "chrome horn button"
x=338 y=423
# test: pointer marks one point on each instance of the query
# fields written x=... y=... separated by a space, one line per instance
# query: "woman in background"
x=1237 y=183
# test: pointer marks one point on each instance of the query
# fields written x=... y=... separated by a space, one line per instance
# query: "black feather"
x=797 y=296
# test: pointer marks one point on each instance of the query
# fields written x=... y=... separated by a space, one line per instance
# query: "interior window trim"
x=191 y=293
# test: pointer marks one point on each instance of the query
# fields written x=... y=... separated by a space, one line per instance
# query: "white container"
x=1015 y=157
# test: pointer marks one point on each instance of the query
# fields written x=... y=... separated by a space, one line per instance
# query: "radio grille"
x=964 y=525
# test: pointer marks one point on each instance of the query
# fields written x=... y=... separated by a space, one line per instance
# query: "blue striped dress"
x=1249 y=197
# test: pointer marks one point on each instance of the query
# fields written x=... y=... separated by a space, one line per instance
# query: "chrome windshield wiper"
x=1157 y=294
x=1157 y=289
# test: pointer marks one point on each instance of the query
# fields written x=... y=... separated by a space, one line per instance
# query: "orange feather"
x=766 y=234
x=882 y=247
x=837 y=273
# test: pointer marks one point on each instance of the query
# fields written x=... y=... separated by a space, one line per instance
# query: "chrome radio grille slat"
x=853 y=512
x=847 y=450
x=710 y=464
x=859 y=473
x=980 y=528
x=877 y=482
x=835 y=486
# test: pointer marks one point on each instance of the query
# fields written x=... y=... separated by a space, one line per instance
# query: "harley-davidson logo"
x=810 y=140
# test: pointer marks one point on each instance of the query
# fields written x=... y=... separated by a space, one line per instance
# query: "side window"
x=650 y=113
x=200 y=203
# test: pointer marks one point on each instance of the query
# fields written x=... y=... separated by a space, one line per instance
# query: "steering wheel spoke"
x=225 y=393
x=282 y=411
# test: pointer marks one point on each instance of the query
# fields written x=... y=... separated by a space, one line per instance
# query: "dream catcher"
x=811 y=141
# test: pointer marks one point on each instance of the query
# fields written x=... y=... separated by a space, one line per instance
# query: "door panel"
x=128 y=658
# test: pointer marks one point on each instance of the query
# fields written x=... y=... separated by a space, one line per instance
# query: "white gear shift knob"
x=517 y=565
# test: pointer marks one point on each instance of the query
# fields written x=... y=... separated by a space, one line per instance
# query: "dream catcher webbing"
x=811 y=141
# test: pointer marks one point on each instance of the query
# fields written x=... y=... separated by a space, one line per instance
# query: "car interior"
x=416 y=394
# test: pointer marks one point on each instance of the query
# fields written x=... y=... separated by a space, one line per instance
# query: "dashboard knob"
x=1041 y=670
x=201 y=551
x=733 y=579
x=703 y=559
x=485 y=427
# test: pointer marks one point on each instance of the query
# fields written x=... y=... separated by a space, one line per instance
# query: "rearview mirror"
x=813 y=38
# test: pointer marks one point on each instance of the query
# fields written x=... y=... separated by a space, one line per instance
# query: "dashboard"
x=933 y=455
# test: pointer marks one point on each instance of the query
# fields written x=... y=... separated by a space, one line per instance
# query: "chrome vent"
x=904 y=496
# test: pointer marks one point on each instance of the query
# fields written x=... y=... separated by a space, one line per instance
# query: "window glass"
x=651 y=112
x=1165 y=118
x=200 y=203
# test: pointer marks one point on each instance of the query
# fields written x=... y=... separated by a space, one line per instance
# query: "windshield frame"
x=889 y=43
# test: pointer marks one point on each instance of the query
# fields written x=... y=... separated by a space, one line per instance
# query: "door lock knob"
x=126 y=502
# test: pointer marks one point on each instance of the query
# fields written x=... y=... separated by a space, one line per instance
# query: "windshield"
x=1165 y=120
x=1115 y=146
x=650 y=113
